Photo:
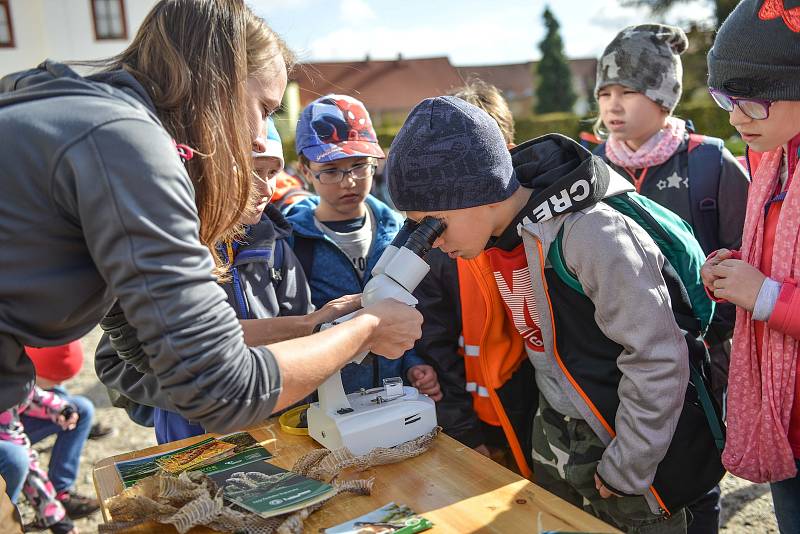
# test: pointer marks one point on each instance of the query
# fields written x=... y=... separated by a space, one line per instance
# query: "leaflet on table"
x=391 y=518
x=191 y=457
x=266 y=489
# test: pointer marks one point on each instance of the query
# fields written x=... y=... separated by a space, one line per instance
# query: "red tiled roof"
x=398 y=85
x=514 y=80
x=382 y=85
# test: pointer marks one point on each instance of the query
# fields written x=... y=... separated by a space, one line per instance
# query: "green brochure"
x=265 y=489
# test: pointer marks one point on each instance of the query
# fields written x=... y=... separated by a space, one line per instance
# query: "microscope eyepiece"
x=426 y=233
x=405 y=231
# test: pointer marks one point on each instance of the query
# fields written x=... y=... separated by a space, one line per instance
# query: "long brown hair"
x=194 y=58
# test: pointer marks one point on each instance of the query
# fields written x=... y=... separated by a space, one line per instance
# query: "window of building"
x=109 y=19
x=6 y=27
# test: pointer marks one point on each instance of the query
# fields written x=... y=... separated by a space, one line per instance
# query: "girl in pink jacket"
x=753 y=74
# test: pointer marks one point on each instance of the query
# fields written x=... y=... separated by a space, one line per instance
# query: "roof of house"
x=400 y=84
x=514 y=80
x=382 y=85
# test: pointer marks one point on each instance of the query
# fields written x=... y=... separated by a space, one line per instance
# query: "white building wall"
x=62 y=30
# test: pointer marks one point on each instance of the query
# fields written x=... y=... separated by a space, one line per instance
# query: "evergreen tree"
x=554 y=90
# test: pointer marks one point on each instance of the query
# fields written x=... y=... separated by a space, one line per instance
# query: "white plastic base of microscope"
x=373 y=424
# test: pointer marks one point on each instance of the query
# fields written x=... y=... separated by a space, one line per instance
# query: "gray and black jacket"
x=669 y=184
x=614 y=357
x=96 y=206
x=267 y=281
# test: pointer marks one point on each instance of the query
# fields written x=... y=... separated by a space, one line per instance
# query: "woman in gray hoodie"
x=91 y=178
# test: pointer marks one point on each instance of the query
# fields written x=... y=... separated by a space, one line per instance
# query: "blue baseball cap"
x=335 y=127
x=273 y=148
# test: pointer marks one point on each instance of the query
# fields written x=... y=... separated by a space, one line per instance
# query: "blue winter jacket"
x=333 y=275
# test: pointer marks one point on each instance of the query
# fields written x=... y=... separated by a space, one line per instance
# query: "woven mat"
x=192 y=499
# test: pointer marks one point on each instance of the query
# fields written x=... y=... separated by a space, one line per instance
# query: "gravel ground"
x=746 y=507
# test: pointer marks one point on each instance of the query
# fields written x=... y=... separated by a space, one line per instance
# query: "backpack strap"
x=600 y=151
x=556 y=257
x=708 y=406
x=304 y=250
x=705 y=168
x=277 y=260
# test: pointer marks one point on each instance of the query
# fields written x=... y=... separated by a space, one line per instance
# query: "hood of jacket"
x=565 y=178
x=301 y=216
x=260 y=239
x=51 y=79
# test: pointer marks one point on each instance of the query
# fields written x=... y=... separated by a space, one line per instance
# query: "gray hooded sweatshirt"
x=96 y=205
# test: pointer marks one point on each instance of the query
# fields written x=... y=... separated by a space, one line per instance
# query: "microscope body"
x=393 y=414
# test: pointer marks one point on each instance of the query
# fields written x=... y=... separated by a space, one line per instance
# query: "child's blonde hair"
x=489 y=98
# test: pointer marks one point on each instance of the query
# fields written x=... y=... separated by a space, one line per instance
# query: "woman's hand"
x=737 y=282
x=424 y=378
x=705 y=272
x=395 y=327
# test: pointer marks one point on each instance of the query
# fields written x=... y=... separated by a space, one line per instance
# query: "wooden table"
x=452 y=485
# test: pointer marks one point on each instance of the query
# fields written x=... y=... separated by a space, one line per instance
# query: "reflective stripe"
x=473 y=387
x=461 y=341
x=471 y=350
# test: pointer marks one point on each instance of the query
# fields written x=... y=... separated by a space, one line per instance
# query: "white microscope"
x=393 y=414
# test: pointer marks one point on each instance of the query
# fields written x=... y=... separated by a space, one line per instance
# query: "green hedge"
x=707 y=117
x=568 y=124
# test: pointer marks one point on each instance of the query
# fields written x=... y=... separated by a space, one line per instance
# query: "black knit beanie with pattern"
x=756 y=53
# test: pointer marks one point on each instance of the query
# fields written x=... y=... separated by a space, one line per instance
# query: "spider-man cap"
x=334 y=127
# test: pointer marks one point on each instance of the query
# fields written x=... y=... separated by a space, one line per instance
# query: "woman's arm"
x=125 y=185
x=276 y=329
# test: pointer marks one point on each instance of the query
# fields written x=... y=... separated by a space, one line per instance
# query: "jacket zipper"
x=571 y=380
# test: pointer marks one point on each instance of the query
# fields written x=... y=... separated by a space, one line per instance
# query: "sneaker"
x=78 y=506
x=99 y=431
x=64 y=526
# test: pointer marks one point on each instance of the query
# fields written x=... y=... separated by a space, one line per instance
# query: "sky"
x=470 y=32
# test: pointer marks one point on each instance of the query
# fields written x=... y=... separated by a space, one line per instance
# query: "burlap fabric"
x=193 y=499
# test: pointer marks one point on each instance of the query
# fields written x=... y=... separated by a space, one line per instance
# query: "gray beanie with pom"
x=645 y=58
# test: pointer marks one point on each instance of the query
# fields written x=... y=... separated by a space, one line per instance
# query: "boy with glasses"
x=340 y=234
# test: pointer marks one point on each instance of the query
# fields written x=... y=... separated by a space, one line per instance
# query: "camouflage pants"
x=566 y=452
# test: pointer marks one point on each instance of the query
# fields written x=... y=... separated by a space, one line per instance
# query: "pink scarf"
x=760 y=395
x=655 y=151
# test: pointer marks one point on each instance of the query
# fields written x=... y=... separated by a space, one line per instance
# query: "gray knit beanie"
x=756 y=53
x=448 y=155
x=647 y=59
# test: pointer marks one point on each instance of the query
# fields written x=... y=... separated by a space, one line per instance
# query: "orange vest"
x=288 y=190
x=491 y=346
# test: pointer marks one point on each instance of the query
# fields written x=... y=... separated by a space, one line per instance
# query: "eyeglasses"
x=334 y=176
x=755 y=108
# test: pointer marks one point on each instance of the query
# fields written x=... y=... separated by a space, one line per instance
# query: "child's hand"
x=706 y=273
x=737 y=282
x=602 y=489
x=68 y=419
x=337 y=308
x=424 y=378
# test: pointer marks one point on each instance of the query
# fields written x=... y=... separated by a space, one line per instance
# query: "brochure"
x=389 y=519
x=265 y=489
x=131 y=471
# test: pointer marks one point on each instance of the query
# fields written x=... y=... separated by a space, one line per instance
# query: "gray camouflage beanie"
x=448 y=155
x=645 y=58
x=756 y=53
